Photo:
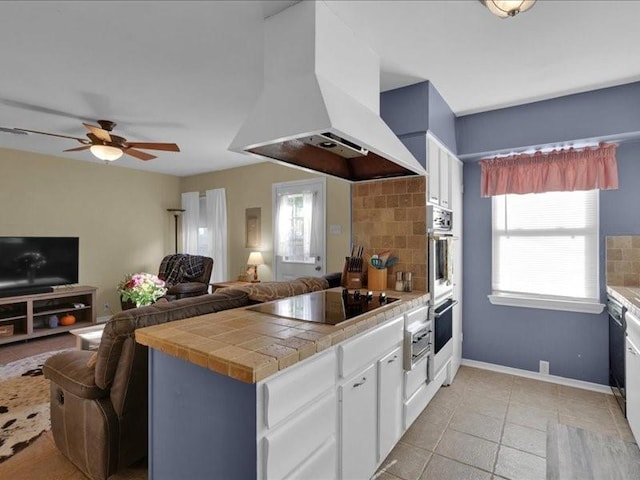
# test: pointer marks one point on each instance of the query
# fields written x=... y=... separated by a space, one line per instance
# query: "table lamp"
x=255 y=259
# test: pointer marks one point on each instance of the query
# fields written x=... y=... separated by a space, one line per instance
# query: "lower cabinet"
x=390 y=375
x=299 y=437
x=321 y=465
x=339 y=414
x=633 y=386
x=358 y=415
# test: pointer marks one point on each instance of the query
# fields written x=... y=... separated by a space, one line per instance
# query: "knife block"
x=352 y=280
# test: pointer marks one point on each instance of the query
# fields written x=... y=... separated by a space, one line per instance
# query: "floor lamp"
x=176 y=213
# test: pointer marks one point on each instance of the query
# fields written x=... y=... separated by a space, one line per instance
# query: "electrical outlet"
x=544 y=367
x=107 y=308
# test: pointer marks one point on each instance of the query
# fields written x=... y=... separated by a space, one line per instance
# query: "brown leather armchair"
x=186 y=275
x=99 y=408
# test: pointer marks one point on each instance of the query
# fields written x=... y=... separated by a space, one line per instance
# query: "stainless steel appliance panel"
x=617 y=332
x=443 y=323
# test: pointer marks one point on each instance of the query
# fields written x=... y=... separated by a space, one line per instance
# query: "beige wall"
x=119 y=214
x=251 y=186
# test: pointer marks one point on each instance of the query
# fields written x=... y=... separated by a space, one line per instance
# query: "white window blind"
x=545 y=245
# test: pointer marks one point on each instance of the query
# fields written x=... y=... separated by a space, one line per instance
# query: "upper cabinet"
x=440 y=165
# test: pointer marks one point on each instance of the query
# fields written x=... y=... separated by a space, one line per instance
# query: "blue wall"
x=412 y=111
x=599 y=114
x=575 y=344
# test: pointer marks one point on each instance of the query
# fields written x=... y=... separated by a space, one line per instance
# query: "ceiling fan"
x=106 y=146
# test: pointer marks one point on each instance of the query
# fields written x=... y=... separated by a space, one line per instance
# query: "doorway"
x=299 y=230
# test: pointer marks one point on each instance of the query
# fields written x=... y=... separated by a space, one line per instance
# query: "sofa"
x=99 y=400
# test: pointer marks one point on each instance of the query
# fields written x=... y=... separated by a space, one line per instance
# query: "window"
x=545 y=251
x=295 y=212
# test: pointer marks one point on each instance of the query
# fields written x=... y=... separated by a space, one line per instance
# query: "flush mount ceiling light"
x=507 y=8
x=106 y=152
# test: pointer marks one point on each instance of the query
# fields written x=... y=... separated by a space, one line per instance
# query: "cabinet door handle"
x=631 y=350
x=393 y=359
x=360 y=383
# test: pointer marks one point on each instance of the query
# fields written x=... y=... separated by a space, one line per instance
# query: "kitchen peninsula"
x=243 y=394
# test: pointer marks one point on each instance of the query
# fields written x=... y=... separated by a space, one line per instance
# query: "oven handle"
x=451 y=305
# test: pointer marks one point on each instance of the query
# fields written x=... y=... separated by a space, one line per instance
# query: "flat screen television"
x=35 y=264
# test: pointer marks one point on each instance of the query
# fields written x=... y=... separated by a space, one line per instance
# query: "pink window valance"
x=557 y=171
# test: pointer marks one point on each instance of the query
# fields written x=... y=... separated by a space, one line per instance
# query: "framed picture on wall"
x=253 y=227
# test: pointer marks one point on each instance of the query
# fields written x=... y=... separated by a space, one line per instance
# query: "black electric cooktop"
x=326 y=307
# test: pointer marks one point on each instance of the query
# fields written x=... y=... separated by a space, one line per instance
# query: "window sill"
x=547 y=303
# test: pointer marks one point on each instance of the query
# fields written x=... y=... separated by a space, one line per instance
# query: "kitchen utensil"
x=390 y=262
x=377 y=263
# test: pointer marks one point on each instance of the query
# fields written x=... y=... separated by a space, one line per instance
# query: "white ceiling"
x=189 y=72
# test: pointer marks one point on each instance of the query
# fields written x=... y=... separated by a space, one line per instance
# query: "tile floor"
x=489 y=425
x=486 y=425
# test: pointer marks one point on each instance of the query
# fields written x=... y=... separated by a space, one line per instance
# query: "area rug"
x=24 y=403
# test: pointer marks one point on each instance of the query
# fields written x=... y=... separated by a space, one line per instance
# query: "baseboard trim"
x=103 y=319
x=569 y=382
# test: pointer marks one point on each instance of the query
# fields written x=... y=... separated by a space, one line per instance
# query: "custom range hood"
x=319 y=108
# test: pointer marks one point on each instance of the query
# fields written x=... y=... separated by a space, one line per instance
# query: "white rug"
x=24 y=403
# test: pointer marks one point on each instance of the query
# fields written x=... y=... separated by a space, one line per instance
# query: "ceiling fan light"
x=106 y=152
x=508 y=8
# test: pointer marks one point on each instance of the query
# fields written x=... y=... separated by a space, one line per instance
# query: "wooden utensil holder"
x=377 y=278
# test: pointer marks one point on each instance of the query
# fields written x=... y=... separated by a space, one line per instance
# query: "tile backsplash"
x=391 y=214
x=623 y=260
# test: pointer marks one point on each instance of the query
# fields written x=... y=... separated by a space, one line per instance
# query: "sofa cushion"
x=123 y=325
x=267 y=291
x=69 y=370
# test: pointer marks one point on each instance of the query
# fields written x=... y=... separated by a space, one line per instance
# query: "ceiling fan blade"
x=81 y=140
x=77 y=149
x=138 y=154
x=98 y=132
x=169 y=147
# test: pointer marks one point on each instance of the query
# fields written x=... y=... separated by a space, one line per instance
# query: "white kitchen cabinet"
x=632 y=375
x=321 y=465
x=390 y=375
x=440 y=163
x=299 y=438
x=456 y=208
x=358 y=418
x=445 y=178
x=433 y=169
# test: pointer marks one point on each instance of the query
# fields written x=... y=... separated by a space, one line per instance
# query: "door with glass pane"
x=299 y=229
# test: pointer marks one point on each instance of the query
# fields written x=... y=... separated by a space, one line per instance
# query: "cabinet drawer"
x=298 y=386
x=414 y=406
x=415 y=378
x=294 y=441
x=322 y=465
x=355 y=353
x=419 y=314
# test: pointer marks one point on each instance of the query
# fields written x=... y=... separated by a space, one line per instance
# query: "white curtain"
x=190 y=220
x=284 y=213
x=216 y=222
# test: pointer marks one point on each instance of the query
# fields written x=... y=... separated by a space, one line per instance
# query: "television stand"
x=22 y=291
x=27 y=316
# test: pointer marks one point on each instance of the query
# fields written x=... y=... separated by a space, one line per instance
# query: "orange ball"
x=67 y=320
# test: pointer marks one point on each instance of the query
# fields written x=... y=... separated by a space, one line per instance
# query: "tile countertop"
x=627 y=296
x=250 y=346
